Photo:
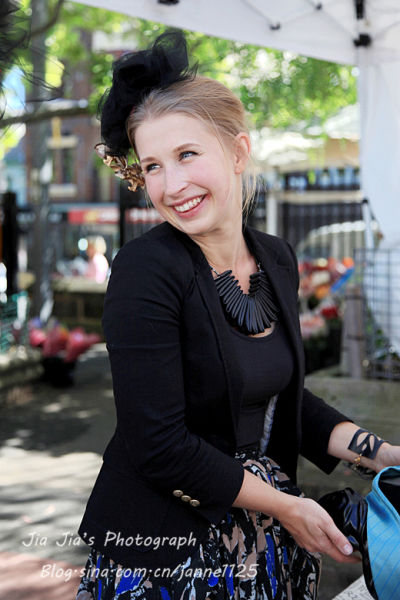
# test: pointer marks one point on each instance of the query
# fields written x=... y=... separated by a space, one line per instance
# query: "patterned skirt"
x=248 y=556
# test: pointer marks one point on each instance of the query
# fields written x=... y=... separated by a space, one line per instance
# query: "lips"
x=189 y=205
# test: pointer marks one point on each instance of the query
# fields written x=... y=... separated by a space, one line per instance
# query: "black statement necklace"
x=251 y=312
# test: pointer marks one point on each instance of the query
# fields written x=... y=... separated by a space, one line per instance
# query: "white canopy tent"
x=365 y=33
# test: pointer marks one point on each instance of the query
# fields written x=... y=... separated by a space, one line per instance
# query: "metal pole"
x=368 y=235
x=271 y=212
x=10 y=241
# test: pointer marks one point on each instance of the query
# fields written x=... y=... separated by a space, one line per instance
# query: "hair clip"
x=119 y=164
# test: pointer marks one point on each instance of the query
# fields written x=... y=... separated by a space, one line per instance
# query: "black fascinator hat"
x=135 y=75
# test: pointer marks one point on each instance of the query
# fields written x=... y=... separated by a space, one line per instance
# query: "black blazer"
x=169 y=469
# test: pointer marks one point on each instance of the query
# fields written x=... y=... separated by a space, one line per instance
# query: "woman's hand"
x=309 y=524
x=313 y=529
x=387 y=456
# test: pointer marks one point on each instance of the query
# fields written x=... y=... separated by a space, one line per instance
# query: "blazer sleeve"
x=318 y=418
x=318 y=421
x=141 y=323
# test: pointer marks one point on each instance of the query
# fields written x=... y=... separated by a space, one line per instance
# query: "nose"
x=174 y=181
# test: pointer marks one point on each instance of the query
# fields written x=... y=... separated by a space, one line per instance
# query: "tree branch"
x=42 y=115
x=52 y=21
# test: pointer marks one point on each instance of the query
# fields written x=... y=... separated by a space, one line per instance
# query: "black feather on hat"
x=135 y=75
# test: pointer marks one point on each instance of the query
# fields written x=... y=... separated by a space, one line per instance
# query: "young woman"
x=196 y=498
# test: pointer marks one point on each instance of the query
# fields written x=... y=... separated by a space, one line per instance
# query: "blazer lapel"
x=280 y=277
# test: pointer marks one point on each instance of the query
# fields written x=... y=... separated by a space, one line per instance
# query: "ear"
x=242 y=149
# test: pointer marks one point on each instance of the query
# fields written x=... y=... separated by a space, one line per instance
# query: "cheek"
x=205 y=175
x=153 y=188
x=215 y=172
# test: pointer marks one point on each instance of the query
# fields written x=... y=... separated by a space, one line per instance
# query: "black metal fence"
x=298 y=220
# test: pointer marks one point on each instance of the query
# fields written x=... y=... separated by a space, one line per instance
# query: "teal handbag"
x=383 y=533
x=372 y=526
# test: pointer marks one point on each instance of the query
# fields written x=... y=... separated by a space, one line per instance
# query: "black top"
x=266 y=365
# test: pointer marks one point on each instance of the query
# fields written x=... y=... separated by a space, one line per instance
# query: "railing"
x=378 y=275
x=14 y=321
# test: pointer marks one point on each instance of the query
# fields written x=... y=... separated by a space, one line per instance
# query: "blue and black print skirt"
x=247 y=556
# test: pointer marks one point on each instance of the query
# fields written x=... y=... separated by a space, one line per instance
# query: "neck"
x=225 y=249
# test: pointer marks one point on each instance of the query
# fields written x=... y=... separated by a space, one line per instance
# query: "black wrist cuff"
x=368 y=446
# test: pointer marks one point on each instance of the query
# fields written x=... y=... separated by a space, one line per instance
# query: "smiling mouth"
x=189 y=204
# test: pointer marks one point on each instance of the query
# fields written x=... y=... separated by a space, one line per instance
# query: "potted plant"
x=60 y=349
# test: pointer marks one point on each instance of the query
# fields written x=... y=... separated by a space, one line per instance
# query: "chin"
x=201 y=229
x=194 y=227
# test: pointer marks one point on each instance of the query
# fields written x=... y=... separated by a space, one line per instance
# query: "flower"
x=330 y=312
x=56 y=340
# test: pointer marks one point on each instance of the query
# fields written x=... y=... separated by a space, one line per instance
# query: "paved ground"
x=51 y=442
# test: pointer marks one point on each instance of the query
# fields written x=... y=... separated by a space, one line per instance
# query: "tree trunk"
x=40 y=172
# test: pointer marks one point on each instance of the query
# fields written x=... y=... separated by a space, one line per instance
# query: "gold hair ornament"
x=119 y=164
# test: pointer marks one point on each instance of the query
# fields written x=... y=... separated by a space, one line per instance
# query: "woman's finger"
x=338 y=540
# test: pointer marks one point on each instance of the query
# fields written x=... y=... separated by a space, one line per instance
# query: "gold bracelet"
x=356 y=462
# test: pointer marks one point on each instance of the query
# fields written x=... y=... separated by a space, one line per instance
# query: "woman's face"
x=191 y=181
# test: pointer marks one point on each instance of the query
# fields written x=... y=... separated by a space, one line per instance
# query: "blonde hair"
x=207 y=100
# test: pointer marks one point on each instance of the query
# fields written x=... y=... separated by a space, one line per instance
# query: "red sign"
x=110 y=215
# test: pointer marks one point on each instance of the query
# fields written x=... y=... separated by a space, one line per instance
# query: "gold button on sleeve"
x=177 y=493
x=185 y=498
x=194 y=502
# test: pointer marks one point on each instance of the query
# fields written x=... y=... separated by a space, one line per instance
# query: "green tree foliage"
x=278 y=89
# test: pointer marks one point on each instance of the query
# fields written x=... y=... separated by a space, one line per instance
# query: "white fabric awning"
x=297 y=25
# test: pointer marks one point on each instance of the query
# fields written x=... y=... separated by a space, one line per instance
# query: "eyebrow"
x=177 y=149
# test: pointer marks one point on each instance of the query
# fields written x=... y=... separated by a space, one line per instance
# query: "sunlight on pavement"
x=42 y=579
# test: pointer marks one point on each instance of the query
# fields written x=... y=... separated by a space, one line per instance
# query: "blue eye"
x=186 y=154
x=150 y=167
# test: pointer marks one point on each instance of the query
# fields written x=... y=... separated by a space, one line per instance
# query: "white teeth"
x=188 y=205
